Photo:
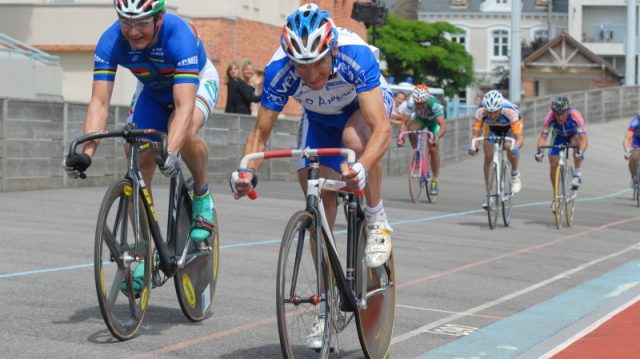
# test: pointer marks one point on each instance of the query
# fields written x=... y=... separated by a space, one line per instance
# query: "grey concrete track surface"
x=447 y=258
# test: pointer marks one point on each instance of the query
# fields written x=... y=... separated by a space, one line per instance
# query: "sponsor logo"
x=158 y=51
x=98 y=59
x=286 y=84
x=193 y=60
x=154 y=59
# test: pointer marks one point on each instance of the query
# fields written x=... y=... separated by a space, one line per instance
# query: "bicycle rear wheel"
x=195 y=283
x=558 y=195
x=415 y=178
x=123 y=300
x=569 y=200
x=493 y=196
x=376 y=322
x=507 y=190
x=302 y=302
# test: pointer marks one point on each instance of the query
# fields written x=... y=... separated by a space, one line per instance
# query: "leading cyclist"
x=497 y=116
x=631 y=145
x=177 y=91
x=568 y=127
x=336 y=78
x=422 y=111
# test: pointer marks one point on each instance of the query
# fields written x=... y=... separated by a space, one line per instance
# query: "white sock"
x=375 y=214
x=578 y=172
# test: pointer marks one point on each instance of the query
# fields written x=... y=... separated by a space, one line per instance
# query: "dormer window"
x=459 y=4
x=495 y=5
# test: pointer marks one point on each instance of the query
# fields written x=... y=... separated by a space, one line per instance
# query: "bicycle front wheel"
x=415 y=177
x=569 y=200
x=123 y=298
x=195 y=283
x=558 y=195
x=507 y=191
x=493 y=196
x=303 y=291
x=376 y=322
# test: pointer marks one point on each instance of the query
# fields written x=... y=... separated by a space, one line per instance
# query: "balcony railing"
x=604 y=34
x=13 y=47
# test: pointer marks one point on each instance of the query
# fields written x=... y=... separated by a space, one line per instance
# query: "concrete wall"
x=34 y=135
x=26 y=78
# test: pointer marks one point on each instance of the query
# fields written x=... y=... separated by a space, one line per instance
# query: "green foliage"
x=419 y=49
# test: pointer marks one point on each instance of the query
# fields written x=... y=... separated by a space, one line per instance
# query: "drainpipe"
x=630 y=58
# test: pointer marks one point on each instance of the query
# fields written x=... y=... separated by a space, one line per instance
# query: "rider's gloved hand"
x=400 y=141
x=170 y=166
x=472 y=149
x=76 y=164
x=627 y=153
x=539 y=156
x=356 y=175
x=580 y=155
x=243 y=181
x=515 y=150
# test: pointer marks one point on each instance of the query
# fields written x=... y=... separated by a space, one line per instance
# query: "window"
x=459 y=38
x=540 y=34
x=500 y=43
x=501 y=2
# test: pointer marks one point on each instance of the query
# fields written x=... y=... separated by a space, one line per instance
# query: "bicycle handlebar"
x=561 y=146
x=506 y=138
x=429 y=134
x=129 y=134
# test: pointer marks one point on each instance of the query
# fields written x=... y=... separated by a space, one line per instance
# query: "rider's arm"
x=476 y=128
x=443 y=127
x=542 y=140
x=374 y=114
x=184 y=100
x=257 y=139
x=583 y=141
x=97 y=112
x=626 y=141
x=516 y=125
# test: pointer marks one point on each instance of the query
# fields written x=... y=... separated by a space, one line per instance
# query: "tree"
x=421 y=50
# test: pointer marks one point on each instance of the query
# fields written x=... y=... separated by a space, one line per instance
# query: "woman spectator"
x=239 y=93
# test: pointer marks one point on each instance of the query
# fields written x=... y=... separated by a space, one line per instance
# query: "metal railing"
x=15 y=47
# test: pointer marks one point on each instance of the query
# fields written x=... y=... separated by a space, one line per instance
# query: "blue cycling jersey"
x=634 y=127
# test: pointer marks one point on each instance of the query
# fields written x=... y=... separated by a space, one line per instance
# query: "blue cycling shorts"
x=559 y=140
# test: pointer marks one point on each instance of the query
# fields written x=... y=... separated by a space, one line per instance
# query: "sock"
x=375 y=214
x=199 y=193
x=515 y=173
x=578 y=172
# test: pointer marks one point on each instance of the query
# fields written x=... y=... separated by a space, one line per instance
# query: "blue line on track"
x=520 y=332
x=276 y=241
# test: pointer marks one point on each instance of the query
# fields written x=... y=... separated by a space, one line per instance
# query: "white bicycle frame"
x=498 y=157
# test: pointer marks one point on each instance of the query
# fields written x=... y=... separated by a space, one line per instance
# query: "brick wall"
x=228 y=39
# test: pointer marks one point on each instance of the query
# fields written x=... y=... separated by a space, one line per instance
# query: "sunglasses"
x=135 y=24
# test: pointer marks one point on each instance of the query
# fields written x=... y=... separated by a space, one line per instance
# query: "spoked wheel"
x=493 y=196
x=375 y=323
x=569 y=200
x=122 y=298
x=302 y=303
x=195 y=283
x=558 y=195
x=416 y=181
x=507 y=190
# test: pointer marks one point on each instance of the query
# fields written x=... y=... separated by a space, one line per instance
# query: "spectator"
x=396 y=117
x=239 y=93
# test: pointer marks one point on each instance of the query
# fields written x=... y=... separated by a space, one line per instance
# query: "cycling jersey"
x=634 y=127
x=562 y=133
x=427 y=117
x=509 y=120
x=326 y=111
x=178 y=56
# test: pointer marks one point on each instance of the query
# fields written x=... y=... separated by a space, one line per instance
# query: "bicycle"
x=126 y=223
x=636 y=187
x=499 y=182
x=420 y=175
x=312 y=284
x=564 y=194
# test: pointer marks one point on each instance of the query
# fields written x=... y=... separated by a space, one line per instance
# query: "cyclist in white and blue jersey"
x=336 y=78
x=631 y=145
x=176 y=93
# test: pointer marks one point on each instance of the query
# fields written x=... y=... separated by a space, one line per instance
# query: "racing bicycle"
x=420 y=175
x=128 y=235
x=564 y=194
x=636 y=187
x=499 y=183
x=313 y=288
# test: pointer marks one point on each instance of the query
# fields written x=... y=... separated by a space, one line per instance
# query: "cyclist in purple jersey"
x=336 y=78
x=177 y=92
x=631 y=145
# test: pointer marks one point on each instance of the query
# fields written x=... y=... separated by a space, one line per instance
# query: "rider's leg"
x=414 y=126
x=575 y=140
x=633 y=164
x=435 y=161
x=553 y=165
x=328 y=197
x=488 y=157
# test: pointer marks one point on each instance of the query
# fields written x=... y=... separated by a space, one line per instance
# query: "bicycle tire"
x=415 y=178
x=636 y=189
x=558 y=195
x=427 y=177
x=507 y=190
x=195 y=284
x=115 y=255
x=569 y=200
x=493 y=196
x=376 y=322
x=297 y=317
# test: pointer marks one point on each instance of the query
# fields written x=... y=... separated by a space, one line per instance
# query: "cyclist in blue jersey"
x=631 y=145
x=176 y=93
x=497 y=116
x=567 y=125
x=336 y=78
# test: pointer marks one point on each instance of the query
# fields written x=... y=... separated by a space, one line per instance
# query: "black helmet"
x=560 y=104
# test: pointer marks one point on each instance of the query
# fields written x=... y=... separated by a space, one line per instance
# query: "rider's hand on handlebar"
x=580 y=155
x=539 y=156
x=627 y=153
x=516 y=150
x=76 y=164
x=472 y=149
x=242 y=182
x=170 y=166
x=356 y=177
x=400 y=142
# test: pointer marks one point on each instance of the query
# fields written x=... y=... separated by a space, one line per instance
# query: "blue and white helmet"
x=308 y=34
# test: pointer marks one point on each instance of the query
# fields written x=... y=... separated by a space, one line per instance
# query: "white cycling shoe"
x=378 y=249
x=314 y=339
x=516 y=183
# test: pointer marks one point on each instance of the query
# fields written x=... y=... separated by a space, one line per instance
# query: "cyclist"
x=632 y=141
x=176 y=93
x=568 y=127
x=424 y=111
x=497 y=116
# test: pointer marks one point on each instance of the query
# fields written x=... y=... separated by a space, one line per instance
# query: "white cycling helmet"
x=137 y=9
x=493 y=101
x=420 y=93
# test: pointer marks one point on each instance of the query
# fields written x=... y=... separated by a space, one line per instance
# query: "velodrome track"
x=521 y=292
